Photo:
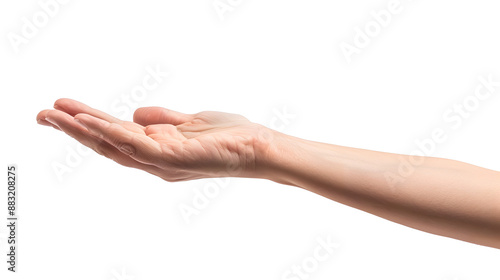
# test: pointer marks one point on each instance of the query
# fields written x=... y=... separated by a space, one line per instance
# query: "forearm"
x=439 y=196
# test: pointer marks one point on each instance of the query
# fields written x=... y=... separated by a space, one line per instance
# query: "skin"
x=440 y=196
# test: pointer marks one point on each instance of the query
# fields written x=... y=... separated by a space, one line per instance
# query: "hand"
x=171 y=145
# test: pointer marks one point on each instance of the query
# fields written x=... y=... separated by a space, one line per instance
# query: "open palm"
x=168 y=144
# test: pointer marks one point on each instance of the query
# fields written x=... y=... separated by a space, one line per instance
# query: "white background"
x=104 y=221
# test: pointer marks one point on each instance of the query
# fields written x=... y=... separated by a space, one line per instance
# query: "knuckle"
x=123 y=147
x=126 y=149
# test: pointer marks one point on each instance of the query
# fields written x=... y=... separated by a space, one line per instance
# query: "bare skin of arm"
x=441 y=196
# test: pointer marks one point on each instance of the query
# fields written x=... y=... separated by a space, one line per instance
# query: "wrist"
x=272 y=152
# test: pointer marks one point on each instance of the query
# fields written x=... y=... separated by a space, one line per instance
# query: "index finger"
x=73 y=107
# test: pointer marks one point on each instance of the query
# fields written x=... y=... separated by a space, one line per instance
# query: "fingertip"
x=81 y=124
x=85 y=117
x=58 y=103
x=46 y=123
x=52 y=123
x=40 y=115
x=82 y=119
x=63 y=103
x=139 y=114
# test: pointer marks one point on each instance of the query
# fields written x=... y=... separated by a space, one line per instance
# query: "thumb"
x=158 y=115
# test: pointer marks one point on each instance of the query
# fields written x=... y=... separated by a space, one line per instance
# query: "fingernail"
x=79 y=122
x=89 y=129
x=51 y=121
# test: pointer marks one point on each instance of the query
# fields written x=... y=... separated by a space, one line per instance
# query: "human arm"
x=441 y=196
